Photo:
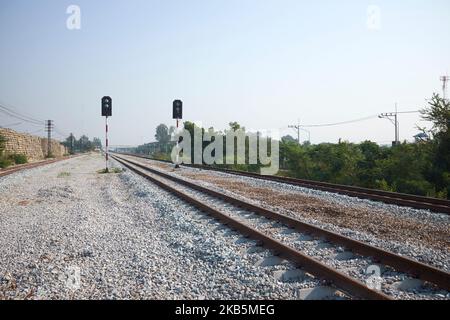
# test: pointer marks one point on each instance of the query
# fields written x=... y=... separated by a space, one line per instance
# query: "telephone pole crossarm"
x=392 y=117
x=297 y=129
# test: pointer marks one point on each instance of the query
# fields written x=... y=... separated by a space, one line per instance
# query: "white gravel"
x=353 y=265
x=86 y=235
x=425 y=254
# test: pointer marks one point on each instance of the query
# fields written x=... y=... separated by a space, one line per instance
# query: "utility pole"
x=71 y=143
x=48 y=129
x=393 y=117
x=297 y=129
x=308 y=132
x=444 y=80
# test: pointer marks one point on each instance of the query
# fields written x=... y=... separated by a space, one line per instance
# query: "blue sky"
x=262 y=63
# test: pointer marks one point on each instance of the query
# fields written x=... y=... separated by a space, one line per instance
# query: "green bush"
x=5 y=162
x=63 y=174
x=18 y=158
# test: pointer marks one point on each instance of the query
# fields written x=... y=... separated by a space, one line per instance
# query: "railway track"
x=6 y=172
x=331 y=256
x=400 y=199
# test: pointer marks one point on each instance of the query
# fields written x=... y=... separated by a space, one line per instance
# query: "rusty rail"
x=400 y=199
x=350 y=285
x=6 y=172
x=415 y=268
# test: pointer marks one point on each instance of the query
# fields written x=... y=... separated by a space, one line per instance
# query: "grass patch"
x=7 y=160
x=111 y=170
x=5 y=163
x=63 y=174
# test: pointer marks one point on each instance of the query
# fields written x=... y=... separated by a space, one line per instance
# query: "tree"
x=405 y=169
x=438 y=112
x=288 y=138
x=84 y=144
x=97 y=143
x=162 y=134
x=369 y=174
x=81 y=145
x=235 y=126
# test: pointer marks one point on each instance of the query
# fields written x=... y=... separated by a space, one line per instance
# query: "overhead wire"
x=10 y=125
x=339 y=123
x=352 y=121
x=14 y=114
x=11 y=109
x=11 y=112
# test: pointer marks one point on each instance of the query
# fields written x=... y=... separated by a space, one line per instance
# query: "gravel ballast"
x=390 y=281
x=419 y=234
x=68 y=232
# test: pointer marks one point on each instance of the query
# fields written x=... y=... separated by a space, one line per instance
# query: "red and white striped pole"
x=177 y=165
x=106 y=149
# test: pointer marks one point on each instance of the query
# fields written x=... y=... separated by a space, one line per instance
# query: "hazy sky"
x=262 y=63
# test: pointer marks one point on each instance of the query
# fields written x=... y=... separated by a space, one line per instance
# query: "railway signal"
x=106 y=112
x=177 y=113
x=106 y=107
x=177 y=109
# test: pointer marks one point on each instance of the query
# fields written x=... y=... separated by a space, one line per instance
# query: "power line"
x=10 y=125
x=60 y=132
x=37 y=131
x=348 y=121
x=297 y=129
x=28 y=119
x=339 y=123
x=19 y=116
x=11 y=110
x=415 y=111
x=393 y=117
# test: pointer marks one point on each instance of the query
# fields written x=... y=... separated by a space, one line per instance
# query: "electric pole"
x=297 y=129
x=444 y=80
x=393 y=117
x=71 y=143
x=48 y=129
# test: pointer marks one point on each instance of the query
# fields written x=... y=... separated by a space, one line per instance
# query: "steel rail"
x=415 y=268
x=343 y=282
x=7 y=172
x=401 y=199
